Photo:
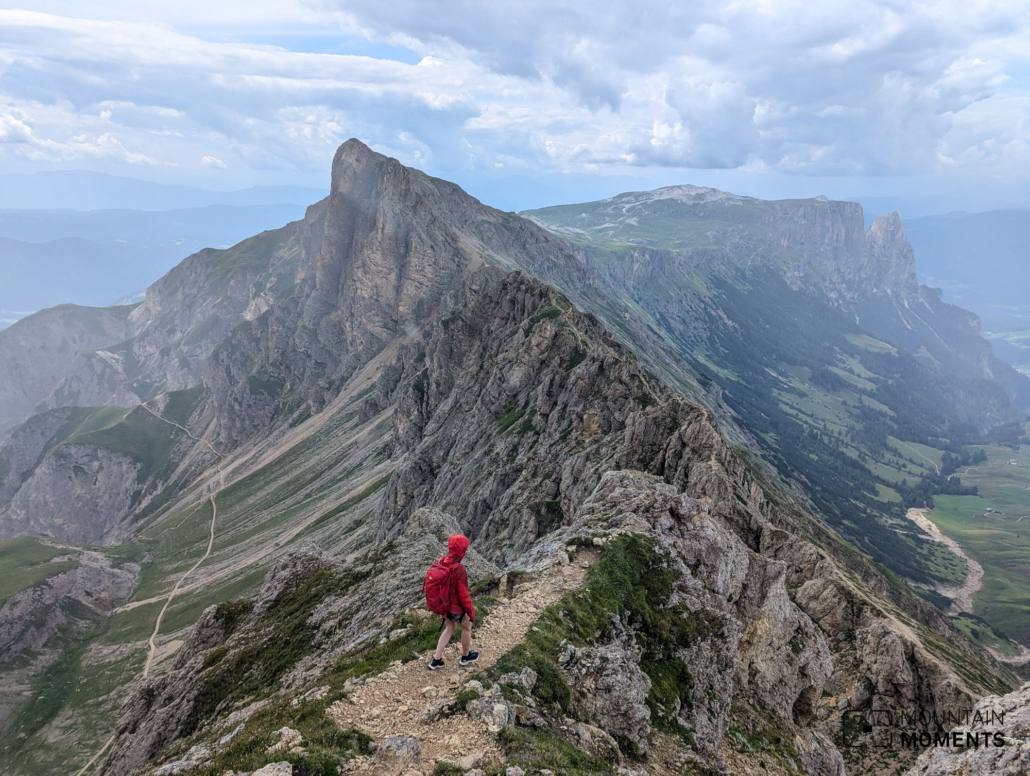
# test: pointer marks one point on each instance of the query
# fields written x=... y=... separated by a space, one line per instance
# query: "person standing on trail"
x=447 y=594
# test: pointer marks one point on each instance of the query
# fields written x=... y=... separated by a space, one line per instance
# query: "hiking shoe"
x=469 y=659
x=434 y=664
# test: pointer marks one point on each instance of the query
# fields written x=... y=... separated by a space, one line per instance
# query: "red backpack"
x=437 y=588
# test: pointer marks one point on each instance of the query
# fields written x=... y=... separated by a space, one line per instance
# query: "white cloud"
x=14 y=130
x=855 y=87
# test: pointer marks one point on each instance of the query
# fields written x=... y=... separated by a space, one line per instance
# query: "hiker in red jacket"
x=456 y=600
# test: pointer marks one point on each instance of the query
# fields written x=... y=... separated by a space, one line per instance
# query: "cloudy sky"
x=554 y=99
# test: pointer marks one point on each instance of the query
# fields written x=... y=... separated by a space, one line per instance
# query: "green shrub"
x=536 y=748
x=464 y=697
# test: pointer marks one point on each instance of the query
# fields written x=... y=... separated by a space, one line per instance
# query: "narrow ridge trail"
x=399 y=701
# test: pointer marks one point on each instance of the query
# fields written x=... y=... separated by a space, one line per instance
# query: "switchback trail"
x=168 y=600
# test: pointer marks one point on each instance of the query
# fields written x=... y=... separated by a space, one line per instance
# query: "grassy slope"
x=326 y=479
x=999 y=542
x=26 y=562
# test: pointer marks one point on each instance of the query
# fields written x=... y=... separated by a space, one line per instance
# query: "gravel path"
x=395 y=702
x=962 y=595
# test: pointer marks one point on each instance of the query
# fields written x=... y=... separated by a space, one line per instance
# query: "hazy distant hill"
x=981 y=260
x=50 y=257
x=82 y=190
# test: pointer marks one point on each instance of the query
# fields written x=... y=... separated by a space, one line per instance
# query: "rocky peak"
x=387 y=257
x=890 y=261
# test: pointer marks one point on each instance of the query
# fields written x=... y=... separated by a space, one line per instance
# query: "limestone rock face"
x=760 y=643
x=39 y=352
x=77 y=598
x=24 y=446
x=890 y=262
x=610 y=689
x=1009 y=716
x=79 y=492
x=520 y=379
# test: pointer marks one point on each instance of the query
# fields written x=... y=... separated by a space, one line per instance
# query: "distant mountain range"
x=96 y=257
x=84 y=190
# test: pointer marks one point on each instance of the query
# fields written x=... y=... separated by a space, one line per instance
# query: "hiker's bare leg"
x=445 y=637
x=466 y=635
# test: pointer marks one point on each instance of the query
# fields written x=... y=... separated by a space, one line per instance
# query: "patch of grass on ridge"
x=327 y=746
x=635 y=582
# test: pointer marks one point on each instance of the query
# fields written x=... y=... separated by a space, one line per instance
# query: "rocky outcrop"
x=38 y=352
x=609 y=689
x=80 y=493
x=520 y=379
x=750 y=637
x=24 y=447
x=159 y=708
x=397 y=755
x=993 y=741
x=890 y=262
x=69 y=601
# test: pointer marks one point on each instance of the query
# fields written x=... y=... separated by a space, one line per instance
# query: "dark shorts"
x=456 y=617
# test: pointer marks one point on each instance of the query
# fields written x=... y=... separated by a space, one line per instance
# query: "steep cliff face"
x=39 y=352
x=814 y=245
x=80 y=493
x=512 y=411
x=889 y=259
x=397 y=248
x=72 y=600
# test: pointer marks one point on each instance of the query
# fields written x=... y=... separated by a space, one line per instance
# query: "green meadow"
x=999 y=539
x=26 y=562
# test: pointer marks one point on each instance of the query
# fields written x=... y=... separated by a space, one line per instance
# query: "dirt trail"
x=393 y=703
x=962 y=595
x=181 y=428
x=152 y=651
x=178 y=585
x=207 y=553
x=928 y=460
x=963 y=474
x=96 y=757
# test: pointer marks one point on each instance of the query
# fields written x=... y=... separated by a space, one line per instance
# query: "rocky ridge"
x=512 y=410
x=777 y=622
x=995 y=740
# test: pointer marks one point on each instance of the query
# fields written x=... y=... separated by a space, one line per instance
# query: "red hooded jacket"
x=461 y=599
